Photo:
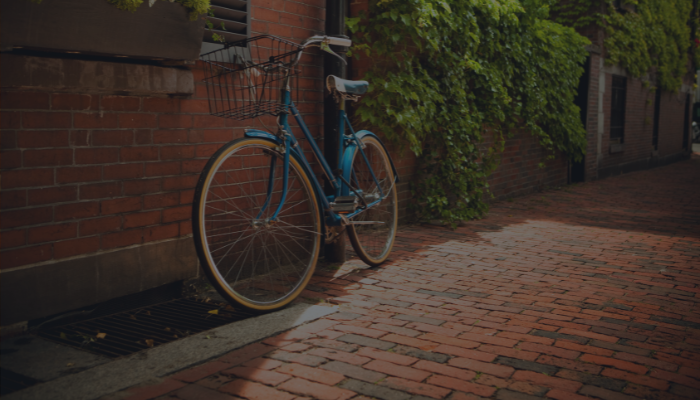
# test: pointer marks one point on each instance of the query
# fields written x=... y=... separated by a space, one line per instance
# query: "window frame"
x=618 y=109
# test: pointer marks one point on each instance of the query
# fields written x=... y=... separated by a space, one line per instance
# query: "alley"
x=587 y=291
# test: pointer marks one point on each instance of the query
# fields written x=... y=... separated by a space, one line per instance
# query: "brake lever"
x=325 y=47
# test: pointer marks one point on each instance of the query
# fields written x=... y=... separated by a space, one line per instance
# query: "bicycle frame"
x=346 y=151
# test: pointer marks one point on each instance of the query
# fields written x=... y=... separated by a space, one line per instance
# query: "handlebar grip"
x=336 y=41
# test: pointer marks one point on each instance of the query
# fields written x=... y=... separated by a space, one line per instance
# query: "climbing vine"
x=448 y=76
x=195 y=7
x=642 y=36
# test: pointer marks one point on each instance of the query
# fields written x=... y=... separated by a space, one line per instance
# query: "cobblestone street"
x=588 y=291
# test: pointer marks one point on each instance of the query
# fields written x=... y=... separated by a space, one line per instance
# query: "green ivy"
x=446 y=75
x=195 y=7
x=645 y=36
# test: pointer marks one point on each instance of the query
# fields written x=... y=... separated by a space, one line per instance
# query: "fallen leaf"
x=69 y=365
x=149 y=342
x=167 y=329
x=101 y=335
x=216 y=312
x=63 y=336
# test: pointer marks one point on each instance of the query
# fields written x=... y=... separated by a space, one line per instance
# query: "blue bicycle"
x=260 y=214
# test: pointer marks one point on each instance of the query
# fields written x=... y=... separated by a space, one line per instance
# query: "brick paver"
x=588 y=291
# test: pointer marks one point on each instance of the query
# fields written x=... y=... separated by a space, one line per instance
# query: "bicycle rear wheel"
x=252 y=261
x=373 y=242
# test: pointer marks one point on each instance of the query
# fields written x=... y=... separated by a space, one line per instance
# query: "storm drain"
x=131 y=331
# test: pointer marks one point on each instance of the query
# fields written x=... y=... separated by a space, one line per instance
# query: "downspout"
x=336 y=11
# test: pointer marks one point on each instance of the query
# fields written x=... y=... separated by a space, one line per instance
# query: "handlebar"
x=323 y=42
x=336 y=41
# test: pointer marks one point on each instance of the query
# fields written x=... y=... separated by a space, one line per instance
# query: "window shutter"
x=230 y=21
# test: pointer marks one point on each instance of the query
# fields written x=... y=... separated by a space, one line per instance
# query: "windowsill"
x=85 y=76
x=617 y=148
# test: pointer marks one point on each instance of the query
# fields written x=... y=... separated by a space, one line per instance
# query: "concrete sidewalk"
x=590 y=291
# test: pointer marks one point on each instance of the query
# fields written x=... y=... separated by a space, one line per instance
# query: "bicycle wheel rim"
x=374 y=242
x=259 y=266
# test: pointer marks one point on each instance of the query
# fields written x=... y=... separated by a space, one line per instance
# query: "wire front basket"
x=244 y=79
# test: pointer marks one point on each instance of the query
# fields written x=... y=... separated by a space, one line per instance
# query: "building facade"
x=100 y=156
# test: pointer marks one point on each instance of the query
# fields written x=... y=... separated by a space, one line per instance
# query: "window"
x=623 y=7
x=230 y=22
x=657 y=115
x=617 y=109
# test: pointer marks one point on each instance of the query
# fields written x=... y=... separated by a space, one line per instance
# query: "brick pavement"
x=589 y=291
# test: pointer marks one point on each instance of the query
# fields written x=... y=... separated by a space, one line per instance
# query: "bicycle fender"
x=350 y=150
x=262 y=134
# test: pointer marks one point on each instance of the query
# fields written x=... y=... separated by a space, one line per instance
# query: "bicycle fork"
x=271 y=182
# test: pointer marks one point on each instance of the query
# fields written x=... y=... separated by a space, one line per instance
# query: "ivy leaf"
x=449 y=75
x=351 y=23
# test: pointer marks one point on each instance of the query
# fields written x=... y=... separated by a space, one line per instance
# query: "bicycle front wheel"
x=253 y=261
x=373 y=241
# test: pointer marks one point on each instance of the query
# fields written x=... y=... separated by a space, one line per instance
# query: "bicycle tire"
x=373 y=243
x=272 y=261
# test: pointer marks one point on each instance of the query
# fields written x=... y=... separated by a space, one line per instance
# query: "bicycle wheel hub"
x=262 y=223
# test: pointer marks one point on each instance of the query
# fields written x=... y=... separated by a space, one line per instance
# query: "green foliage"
x=195 y=7
x=655 y=38
x=448 y=75
x=210 y=26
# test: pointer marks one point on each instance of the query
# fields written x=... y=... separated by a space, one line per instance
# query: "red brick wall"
x=84 y=173
x=518 y=172
x=639 y=124
x=90 y=172
x=639 y=120
x=671 y=123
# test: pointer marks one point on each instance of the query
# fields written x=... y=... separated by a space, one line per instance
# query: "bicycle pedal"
x=344 y=204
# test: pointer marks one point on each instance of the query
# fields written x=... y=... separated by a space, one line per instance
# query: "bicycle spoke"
x=293 y=254
x=373 y=243
x=233 y=204
x=233 y=242
x=305 y=230
x=239 y=257
x=258 y=263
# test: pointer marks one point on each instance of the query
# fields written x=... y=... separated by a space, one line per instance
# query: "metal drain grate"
x=131 y=331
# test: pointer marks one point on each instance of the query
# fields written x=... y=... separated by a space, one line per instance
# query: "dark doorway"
x=578 y=169
x=657 y=115
x=686 y=122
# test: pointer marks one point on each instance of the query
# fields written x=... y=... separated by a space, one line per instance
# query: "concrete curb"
x=172 y=357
